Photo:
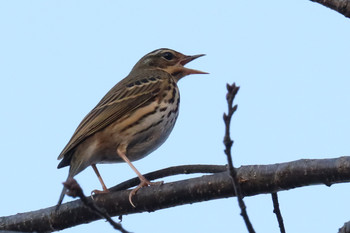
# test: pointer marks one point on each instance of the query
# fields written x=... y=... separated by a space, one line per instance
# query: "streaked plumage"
x=133 y=119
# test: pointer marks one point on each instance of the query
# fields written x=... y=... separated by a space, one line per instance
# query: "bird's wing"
x=122 y=100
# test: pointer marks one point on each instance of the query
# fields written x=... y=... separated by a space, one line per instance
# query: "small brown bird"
x=133 y=119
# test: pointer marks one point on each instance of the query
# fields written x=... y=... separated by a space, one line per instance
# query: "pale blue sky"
x=291 y=59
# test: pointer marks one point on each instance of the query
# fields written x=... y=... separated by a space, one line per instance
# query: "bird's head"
x=169 y=61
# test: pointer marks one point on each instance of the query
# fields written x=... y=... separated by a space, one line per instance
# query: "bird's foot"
x=97 y=192
x=144 y=183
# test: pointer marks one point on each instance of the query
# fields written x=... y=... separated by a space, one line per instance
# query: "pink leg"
x=105 y=190
x=143 y=181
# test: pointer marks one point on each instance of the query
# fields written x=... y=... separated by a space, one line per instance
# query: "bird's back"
x=137 y=89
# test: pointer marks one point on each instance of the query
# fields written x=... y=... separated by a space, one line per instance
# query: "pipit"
x=133 y=119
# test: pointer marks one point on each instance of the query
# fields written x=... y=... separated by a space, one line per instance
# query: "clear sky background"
x=291 y=59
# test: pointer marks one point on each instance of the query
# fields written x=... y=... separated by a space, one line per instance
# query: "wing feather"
x=122 y=100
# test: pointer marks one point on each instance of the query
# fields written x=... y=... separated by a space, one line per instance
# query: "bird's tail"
x=63 y=193
x=74 y=169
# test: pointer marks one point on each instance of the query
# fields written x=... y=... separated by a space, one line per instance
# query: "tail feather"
x=74 y=169
x=63 y=193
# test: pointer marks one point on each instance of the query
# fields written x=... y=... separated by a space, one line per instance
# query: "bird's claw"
x=144 y=183
x=96 y=192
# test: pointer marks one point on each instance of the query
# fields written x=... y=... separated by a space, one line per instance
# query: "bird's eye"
x=167 y=55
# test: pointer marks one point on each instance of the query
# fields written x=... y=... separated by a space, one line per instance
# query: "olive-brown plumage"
x=133 y=119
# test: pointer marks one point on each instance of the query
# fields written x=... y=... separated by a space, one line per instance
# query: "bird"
x=132 y=120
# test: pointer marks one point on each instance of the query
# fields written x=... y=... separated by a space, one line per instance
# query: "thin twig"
x=170 y=171
x=231 y=93
x=277 y=211
x=74 y=190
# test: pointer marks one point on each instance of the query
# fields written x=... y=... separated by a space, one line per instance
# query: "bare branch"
x=255 y=179
x=277 y=211
x=228 y=142
x=170 y=171
x=15 y=232
x=345 y=228
x=342 y=6
x=74 y=190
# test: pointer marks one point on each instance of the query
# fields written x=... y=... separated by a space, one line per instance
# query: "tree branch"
x=342 y=6
x=232 y=91
x=345 y=228
x=74 y=190
x=170 y=171
x=277 y=211
x=255 y=179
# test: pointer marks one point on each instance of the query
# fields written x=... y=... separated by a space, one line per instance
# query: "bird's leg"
x=105 y=190
x=143 y=181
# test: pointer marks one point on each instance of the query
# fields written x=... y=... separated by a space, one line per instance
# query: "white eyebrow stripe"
x=158 y=51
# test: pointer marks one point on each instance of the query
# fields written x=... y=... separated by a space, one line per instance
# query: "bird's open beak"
x=186 y=60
